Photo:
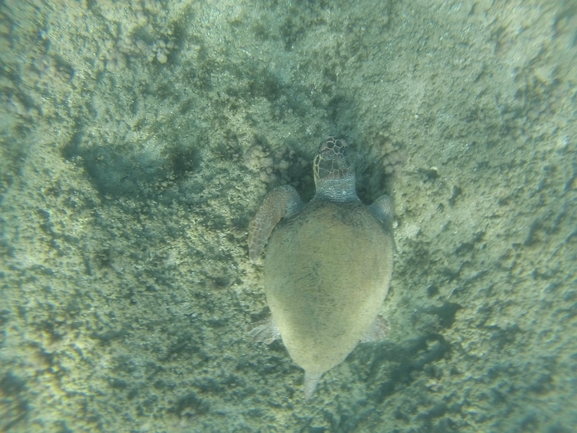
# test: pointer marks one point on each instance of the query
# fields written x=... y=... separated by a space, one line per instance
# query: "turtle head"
x=334 y=172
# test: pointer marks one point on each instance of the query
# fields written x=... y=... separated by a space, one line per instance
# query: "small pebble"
x=161 y=57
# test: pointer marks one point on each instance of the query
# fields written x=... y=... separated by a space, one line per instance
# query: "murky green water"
x=138 y=139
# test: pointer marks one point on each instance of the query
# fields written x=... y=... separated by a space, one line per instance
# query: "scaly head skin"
x=334 y=173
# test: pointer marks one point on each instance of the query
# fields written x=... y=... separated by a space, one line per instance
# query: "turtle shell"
x=327 y=271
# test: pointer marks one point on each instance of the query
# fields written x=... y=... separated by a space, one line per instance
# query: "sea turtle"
x=327 y=267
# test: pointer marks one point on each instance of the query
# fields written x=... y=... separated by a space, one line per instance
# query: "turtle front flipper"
x=384 y=209
x=281 y=202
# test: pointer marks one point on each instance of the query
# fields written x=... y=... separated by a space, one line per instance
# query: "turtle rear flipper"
x=377 y=332
x=265 y=331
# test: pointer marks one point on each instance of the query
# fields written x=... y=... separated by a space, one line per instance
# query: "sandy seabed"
x=137 y=140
